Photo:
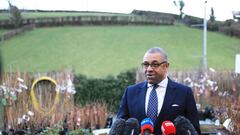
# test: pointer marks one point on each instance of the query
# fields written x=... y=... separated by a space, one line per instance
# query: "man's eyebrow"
x=155 y=61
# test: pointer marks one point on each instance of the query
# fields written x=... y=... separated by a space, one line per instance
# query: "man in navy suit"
x=173 y=99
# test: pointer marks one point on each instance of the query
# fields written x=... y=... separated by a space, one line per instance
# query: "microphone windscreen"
x=168 y=128
x=184 y=126
x=117 y=127
x=147 y=125
x=131 y=127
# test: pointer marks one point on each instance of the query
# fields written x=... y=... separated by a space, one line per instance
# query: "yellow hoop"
x=34 y=99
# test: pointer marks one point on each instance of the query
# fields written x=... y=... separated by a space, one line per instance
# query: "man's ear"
x=167 y=65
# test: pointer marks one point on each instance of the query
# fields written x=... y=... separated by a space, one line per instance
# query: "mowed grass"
x=6 y=16
x=2 y=31
x=99 y=51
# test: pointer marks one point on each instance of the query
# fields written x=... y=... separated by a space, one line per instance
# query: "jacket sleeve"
x=123 y=108
x=191 y=111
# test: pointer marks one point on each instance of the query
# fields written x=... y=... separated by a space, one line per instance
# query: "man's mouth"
x=150 y=75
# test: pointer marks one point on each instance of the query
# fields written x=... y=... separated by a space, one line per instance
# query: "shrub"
x=229 y=22
x=108 y=90
x=190 y=20
x=214 y=25
x=231 y=29
x=236 y=29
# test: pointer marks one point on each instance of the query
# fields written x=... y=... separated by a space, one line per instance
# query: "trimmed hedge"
x=108 y=90
x=191 y=20
x=231 y=28
x=14 y=32
x=214 y=25
x=90 y=20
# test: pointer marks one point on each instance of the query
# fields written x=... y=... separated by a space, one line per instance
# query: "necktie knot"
x=155 y=86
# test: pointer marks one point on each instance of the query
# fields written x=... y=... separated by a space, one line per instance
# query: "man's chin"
x=151 y=81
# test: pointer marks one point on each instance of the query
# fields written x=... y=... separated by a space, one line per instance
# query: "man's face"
x=155 y=67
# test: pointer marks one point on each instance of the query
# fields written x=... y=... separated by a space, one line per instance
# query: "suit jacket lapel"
x=168 y=99
x=142 y=93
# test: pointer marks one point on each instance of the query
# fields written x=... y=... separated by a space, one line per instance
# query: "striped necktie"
x=152 y=109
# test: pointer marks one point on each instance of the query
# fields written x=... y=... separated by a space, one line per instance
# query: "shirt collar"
x=162 y=84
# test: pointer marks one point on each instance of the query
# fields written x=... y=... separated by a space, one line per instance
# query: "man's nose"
x=149 y=68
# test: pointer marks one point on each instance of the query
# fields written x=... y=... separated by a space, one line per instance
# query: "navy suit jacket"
x=178 y=100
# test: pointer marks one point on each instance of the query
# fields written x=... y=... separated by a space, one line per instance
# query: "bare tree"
x=180 y=5
x=15 y=15
x=212 y=16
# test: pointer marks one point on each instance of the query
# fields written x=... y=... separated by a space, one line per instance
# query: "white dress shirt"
x=161 y=90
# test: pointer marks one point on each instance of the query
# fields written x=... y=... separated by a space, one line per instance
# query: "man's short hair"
x=158 y=50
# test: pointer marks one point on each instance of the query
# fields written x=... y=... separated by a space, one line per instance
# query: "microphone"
x=117 y=127
x=184 y=126
x=147 y=126
x=131 y=127
x=168 y=128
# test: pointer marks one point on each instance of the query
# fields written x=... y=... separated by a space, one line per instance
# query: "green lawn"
x=6 y=16
x=2 y=31
x=98 y=51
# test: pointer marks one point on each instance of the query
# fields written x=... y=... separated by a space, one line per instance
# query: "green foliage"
x=80 y=132
x=228 y=22
x=190 y=20
x=108 y=90
x=15 y=15
x=57 y=128
x=231 y=28
x=214 y=25
x=52 y=130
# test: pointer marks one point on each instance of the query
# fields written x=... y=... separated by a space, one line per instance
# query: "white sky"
x=222 y=8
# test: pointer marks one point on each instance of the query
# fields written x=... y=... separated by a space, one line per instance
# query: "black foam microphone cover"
x=184 y=126
x=132 y=127
x=117 y=127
